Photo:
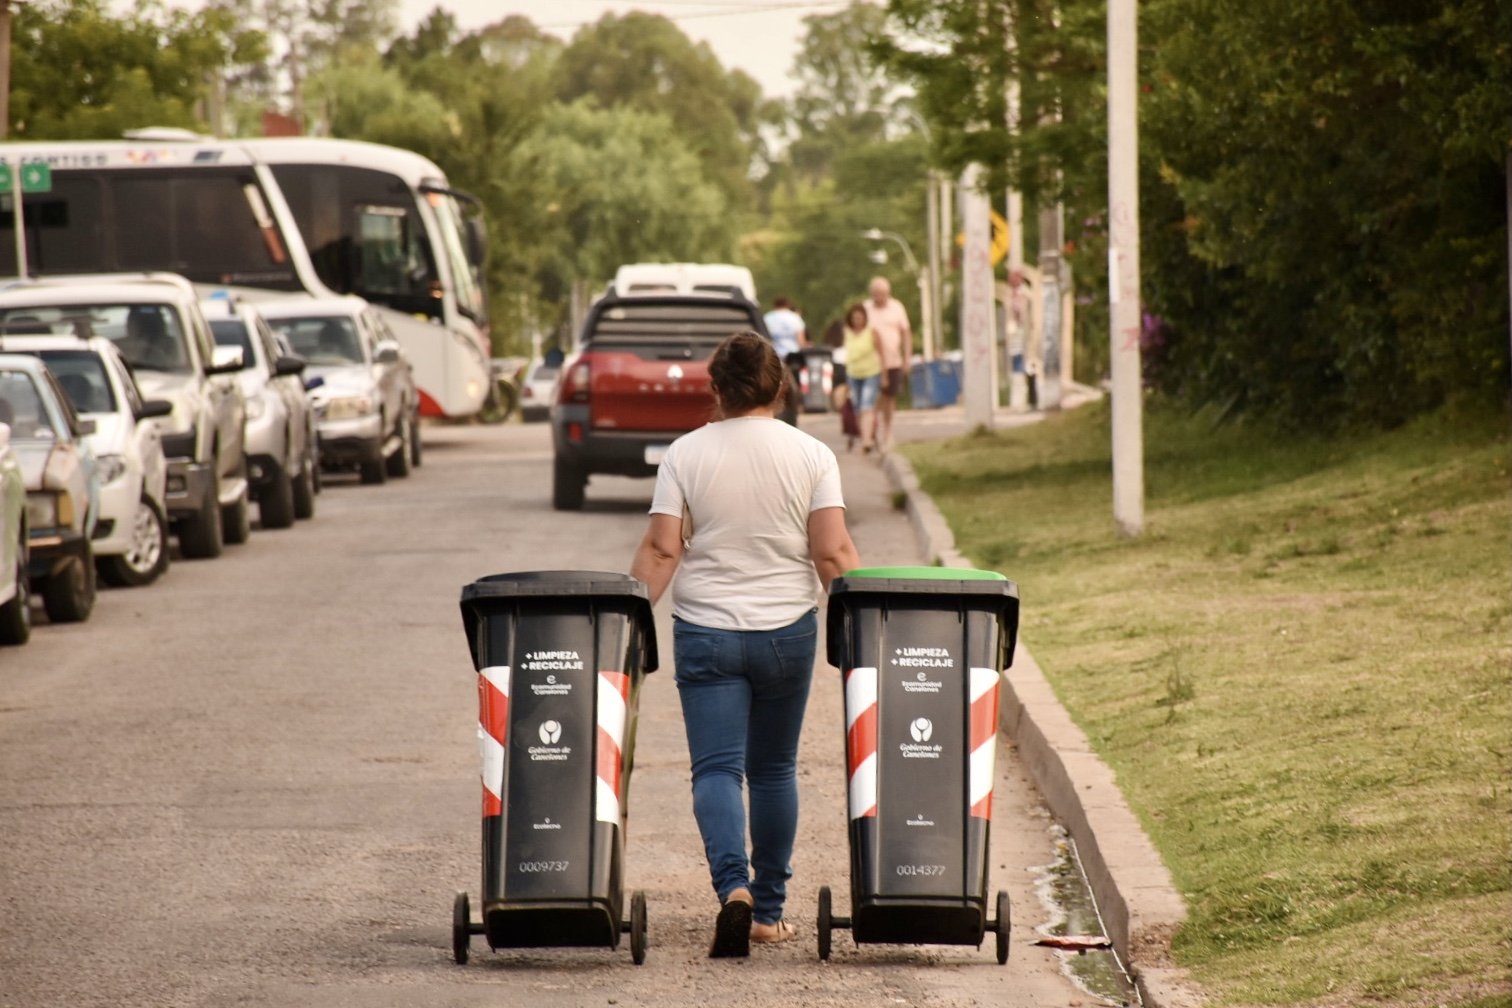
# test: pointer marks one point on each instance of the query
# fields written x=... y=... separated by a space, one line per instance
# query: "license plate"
x=655 y=454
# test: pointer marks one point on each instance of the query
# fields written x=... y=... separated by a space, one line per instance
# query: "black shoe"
x=732 y=931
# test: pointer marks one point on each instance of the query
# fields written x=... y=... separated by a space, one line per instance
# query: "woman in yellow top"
x=863 y=366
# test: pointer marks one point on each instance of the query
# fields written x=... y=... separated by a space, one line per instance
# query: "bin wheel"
x=461 y=928
x=1003 y=922
x=638 y=927
x=825 y=922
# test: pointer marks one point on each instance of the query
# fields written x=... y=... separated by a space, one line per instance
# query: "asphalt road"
x=255 y=783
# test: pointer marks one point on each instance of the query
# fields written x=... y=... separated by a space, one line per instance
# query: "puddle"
x=1062 y=888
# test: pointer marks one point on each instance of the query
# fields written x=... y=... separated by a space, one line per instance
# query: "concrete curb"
x=1135 y=896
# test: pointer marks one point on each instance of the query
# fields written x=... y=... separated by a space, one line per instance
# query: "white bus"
x=276 y=215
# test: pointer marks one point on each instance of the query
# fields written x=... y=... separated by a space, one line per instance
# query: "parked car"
x=283 y=454
x=130 y=541
x=15 y=584
x=62 y=486
x=155 y=321
x=639 y=380
x=366 y=407
x=538 y=388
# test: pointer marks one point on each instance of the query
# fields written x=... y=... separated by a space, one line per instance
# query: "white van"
x=685 y=278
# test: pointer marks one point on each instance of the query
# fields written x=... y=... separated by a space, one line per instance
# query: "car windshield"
x=81 y=373
x=330 y=339
x=21 y=408
x=149 y=336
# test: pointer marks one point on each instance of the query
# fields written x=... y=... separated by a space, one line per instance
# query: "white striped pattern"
x=492 y=749
x=612 y=714
x=860 y=693
x=983 y=760
x=861 y=701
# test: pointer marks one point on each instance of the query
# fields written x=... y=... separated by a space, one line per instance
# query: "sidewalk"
x=1135 y=895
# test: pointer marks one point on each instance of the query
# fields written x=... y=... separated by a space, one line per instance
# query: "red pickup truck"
x=639 y=380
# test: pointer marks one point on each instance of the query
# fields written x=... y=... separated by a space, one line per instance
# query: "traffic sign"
x=36 y=177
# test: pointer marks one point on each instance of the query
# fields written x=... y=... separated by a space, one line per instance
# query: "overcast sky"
x=760 y=38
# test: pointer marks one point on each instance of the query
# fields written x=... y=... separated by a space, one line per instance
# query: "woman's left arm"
x=830 y=545
x=657 y=556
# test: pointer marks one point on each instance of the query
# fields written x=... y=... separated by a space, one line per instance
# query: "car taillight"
x=575 y=383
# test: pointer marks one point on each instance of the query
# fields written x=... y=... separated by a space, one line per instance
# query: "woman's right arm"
x=660 y=551
x=830 y=545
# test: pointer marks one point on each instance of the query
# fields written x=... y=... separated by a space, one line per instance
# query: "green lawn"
x=1301 y=674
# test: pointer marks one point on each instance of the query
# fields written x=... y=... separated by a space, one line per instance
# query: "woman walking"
x=748 y=514
x=863 y=367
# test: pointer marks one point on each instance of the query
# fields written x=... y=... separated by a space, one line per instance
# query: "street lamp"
x=926 y=302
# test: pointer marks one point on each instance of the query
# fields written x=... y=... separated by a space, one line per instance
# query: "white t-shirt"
x=750 y=483
x=784 y=325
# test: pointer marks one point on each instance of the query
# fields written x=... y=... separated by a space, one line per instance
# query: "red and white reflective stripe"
x=493 y=727
x=613 y=712
x=984 y=709
x=861 y=740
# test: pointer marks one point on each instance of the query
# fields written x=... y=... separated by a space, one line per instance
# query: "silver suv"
x=155 y=321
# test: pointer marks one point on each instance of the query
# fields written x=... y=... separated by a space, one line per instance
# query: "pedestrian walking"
x=863 y=355
x=747 y=526
x=789 y=335
x=889 y=319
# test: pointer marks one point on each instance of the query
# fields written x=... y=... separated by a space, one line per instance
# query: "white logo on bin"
x=921 y=729
x=550 y=732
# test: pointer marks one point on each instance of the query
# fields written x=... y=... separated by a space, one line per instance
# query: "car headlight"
x=348 y=407
x=255 y=407
x=112 y=468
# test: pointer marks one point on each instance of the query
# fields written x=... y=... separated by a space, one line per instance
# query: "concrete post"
x=1123 y=267
x=978 y=377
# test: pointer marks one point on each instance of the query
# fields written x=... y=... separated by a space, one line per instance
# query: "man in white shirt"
x=786 y=327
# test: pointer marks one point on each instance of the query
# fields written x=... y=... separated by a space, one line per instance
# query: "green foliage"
x=1323 y=185
x=823 y=263
x=623 y=187
x=78 y=71
x=1337 y=170
x=644 y=61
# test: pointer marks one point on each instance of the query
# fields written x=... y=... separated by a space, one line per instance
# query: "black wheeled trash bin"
x=816 y=378
x=560 y=656
x=922 y=650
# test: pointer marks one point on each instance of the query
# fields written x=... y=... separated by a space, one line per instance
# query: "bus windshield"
x=365 y=234
x=465 y=276
x=211 y=225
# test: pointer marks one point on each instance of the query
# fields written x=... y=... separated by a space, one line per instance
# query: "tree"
x=845 y=95
x=1338 y=170
x=822 y=262
x=623 y=187
x=644 y=61
x=78 y=72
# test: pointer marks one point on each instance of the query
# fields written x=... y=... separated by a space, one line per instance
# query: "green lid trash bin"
x=922 y=650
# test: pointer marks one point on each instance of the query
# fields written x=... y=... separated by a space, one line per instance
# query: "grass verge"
x=1301 y=674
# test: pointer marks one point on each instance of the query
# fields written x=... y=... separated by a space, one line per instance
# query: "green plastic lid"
x=926 y=574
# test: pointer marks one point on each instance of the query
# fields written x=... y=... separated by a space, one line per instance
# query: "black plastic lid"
x=934 y=585
x=587 y=585
x=554 y=584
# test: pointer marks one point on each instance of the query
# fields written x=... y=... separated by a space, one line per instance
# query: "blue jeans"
x=864 y=391
x=743 y=695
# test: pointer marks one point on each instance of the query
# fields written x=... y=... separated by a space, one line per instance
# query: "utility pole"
x=1123 y=266
x=933 y=341
x=5 y=68
x=978 y=334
